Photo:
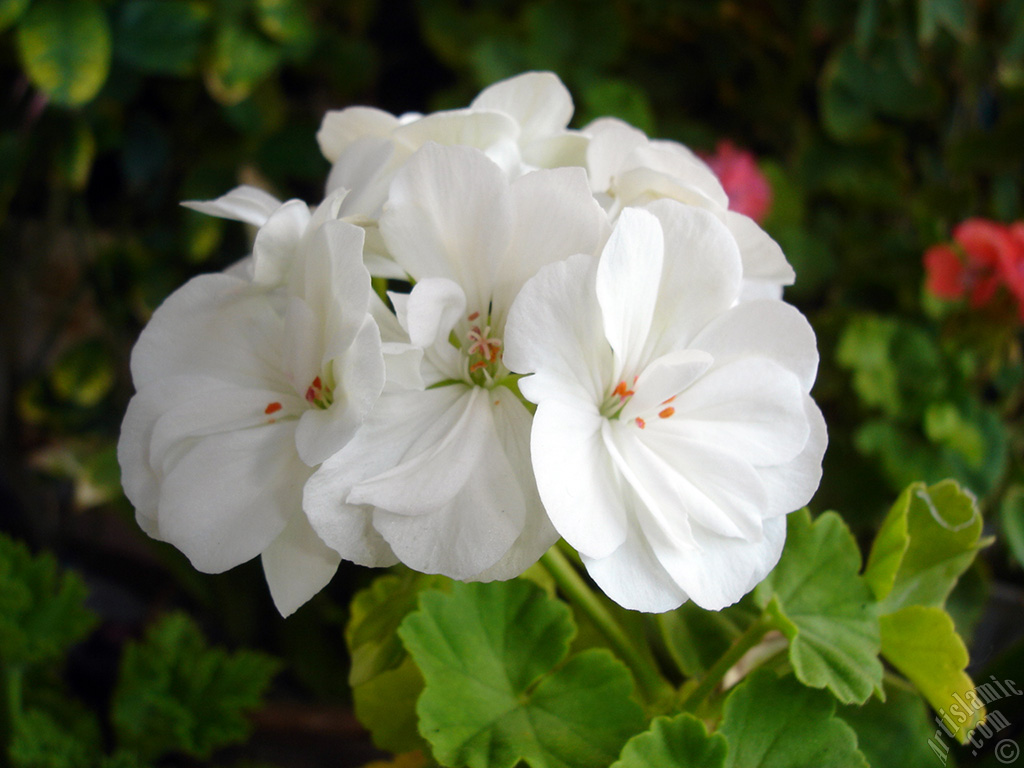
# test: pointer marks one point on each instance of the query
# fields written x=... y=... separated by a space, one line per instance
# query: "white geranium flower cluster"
x=593 y=347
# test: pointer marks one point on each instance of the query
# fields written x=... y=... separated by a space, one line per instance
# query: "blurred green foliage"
x=880 y=124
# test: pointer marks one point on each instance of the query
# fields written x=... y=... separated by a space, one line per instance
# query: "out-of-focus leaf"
x=618 y=98
x=933 y=15
x=83 y=375
x=696 y=638
x=74 y=157
x=10 y=12
x=241 y=59
x=162 y=36
x=42 y=612
x=286 y=21
x=177 y=694
x=64 y=46
x=1011 y=519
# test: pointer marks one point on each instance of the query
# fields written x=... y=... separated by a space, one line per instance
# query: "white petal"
x=701 y=277
x=214 y=325
x=450 y=215
x=628 y=277
x=751 y=405
x=770 y=329
x=792 y=485
x=245 y=203
x=202 y=406
x=693 y=483
x=436 y=468
x=228 y=496
x=578 y=483
x=611 y=141
x=139 y=479
x=276 y=242
x=359 y=374
x=433 y=307
x=345 y=528
x=340 y=128
x=555 y=217
x=762 y=257
x=554 y=327
x=513 y=424
x=633 y=577
x=297 y=565
x=365 y=169
x=562 y=150
x=665 y=378
x=724 y=569
x=686 y=169
x=458 y=127
x=538 y=101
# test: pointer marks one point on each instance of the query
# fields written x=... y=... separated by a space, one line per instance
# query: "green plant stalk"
x=10 y=711
x=654 y=688
x=750 y=637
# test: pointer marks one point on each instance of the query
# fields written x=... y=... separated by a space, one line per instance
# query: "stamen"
x=272 y=408
x=667 y=412
x=474 y=316
x=640 y=422
x=666 y=402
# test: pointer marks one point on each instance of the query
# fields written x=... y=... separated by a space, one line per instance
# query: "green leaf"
x=385 y=681
x=10 y=11
x=678 y=742
x=64 y=46
x=39 y=741
x=241 y=60
x=1011 y=519
x=772 y=722
x=41 y=611
x=176 y=694
x=497 y=691
x=922 y=643
x=898 y=731
x=696 y=638
x=286 y=21
x=84 y=374
x=825 y=608
x=162 y=36
x=936 y=14
x=930 y=537
x=618 y=98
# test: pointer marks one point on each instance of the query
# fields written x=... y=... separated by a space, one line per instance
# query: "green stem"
x=10 y=711
x=751 y=637
x=653 y=687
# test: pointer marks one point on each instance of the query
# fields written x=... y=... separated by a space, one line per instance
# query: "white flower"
x=245 y=382
x=628 y=169
x=519 y=123
x=674 y=429
x=441 y=471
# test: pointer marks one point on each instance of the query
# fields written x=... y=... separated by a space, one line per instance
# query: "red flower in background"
x=983 y=255
x=748 y=190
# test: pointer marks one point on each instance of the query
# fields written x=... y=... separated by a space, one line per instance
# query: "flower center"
x=319 y=395
x=616 y=400
x=483 y=352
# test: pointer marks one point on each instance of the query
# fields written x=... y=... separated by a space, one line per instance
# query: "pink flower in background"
x=983 y=255
x=748 y=190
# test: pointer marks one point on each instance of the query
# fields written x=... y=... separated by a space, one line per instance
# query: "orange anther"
x=310 y=395
x=272 y=408
x=474 y=316
x=317 y=383
x=666 y=402
x=667 y=412
x=620 y=389
x=640 y=422
x=478 y=365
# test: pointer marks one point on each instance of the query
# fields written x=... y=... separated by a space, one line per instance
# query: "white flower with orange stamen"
x=674 y=428
x=246 y=382
x=441 y=470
